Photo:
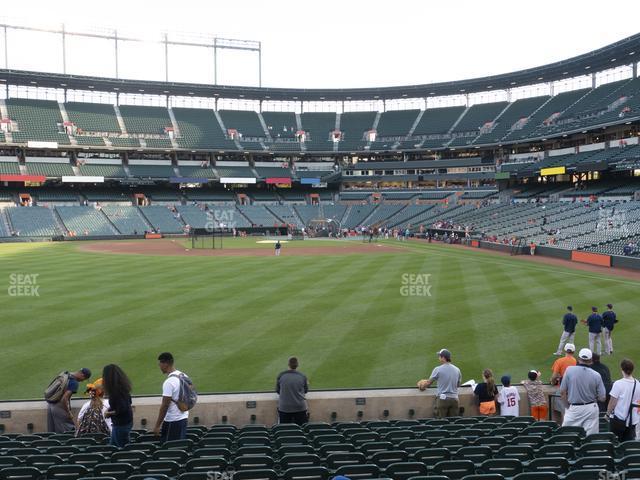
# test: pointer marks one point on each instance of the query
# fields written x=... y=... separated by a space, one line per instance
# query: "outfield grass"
x=231 y=322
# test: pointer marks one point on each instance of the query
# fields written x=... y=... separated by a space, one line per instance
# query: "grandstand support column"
x=64 y=50
x=634 y=65
x=509 y=93
x=551 y=89
x=260 y=64
x=6 y=51
x=166 y=59
x=466 y=99
x=384 y=105
x=593 y=80
x=115 y=44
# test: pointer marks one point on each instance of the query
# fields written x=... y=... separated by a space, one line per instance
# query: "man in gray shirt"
x=449 y=378
x=582 y=388
x=291 y=387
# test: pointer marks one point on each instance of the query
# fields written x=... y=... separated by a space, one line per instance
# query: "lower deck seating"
x=127 y=219
x=162 y=219
x=85 y=221
x=33 y=221
x=442 y=449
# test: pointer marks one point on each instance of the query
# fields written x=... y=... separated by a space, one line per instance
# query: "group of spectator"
x=109 y=408
x=584 y=389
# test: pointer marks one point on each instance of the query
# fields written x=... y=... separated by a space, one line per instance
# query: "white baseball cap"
x=569 y=347
x=585 y=354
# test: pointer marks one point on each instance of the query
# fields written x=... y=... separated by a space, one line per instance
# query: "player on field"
x=569 y=322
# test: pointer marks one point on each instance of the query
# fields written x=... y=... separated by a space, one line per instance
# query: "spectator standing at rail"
x=535 y=394
x=508 y=398
x=91 y=418
x=58 y=396
x=172 y=422
x=118 y=388
x=625 y=396
x=487 y=392
x=558 y=370
x=594 y=322
x=449 y=379
x=605 y=374
x=292 y=387
x=582 y=388
x=609 y=320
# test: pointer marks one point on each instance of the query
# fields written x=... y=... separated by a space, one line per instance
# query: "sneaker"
x=557 y=354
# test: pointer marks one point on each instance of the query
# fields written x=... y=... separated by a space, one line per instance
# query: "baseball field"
x=356 y=315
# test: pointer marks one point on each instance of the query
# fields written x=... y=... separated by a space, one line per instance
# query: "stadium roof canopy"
x=623 y=52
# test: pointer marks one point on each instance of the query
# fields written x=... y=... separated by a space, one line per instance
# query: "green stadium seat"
x=43 y=461
x=299 y=460
x=199 y=475
x=330 y=448
x=146 y=476
x=257 y=474
x=295 y=449
x=206 y=464
x=556 y=450
x=431 y=456
x=536 y=476
x=354 y=472
x=337 y=460
x=386 y=458
x=66 y=472
x=370 y=448
x=9 y=461
x=180 y=456
x=557 y=465
x=160 y=467
x=586 y=474
x=477 y=454
x=492 y=441
x=596 y=449
x=484 y=476
x=254 y=450
x=507 y=467
x=413 y=445
x=87 y=459
x=20 y=473
x=454 y=469
x=253 y=462
x=315 y=472
x=405 y=470
x=117 y=470
x=594 y=462
x=523 y=453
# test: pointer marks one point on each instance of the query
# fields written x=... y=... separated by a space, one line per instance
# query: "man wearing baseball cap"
x=569 y=322
x=59 y=417
x=558 y=405
x=582 y=388
x=449 y=378
x=594 y=322
x=608 y=321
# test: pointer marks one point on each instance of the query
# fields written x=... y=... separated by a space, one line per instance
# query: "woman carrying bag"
x=623 y=404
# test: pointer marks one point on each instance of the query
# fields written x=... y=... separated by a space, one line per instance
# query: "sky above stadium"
x=313 y=44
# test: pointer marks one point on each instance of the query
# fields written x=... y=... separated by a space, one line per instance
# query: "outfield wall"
x=261 y=408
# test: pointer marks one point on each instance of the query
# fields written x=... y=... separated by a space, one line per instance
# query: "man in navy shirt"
x=608 y=321
x=594 y=322
x=569 y=322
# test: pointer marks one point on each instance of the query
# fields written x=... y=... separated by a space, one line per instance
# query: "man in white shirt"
x=172 y=422
x=508 y=398
x=624 y=394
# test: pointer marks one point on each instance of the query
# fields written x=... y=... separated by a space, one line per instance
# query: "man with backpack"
x=58 y=397
x=178 y=397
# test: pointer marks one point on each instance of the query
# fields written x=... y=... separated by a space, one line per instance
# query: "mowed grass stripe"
x=233 y=321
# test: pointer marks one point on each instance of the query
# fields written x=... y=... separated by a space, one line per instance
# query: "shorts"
x=539 y=412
